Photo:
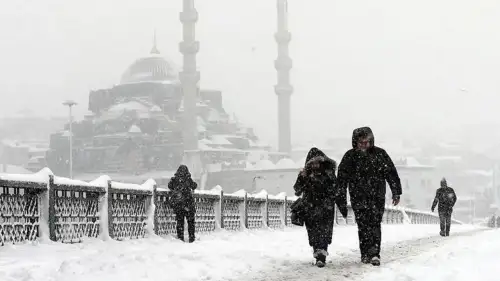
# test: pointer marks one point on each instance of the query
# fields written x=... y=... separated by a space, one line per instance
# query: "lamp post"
x=70 y=104
x=254 y=182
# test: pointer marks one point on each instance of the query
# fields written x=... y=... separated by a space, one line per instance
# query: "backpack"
x=180 y=196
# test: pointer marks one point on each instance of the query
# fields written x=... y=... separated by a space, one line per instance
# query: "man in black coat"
x=447 y=198
x=364 y=169
x=182 y=201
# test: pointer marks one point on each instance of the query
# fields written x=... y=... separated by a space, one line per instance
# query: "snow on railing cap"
x=41 y=176
x=239 y=193
x=214 y=191
x=260 y=195
x=148 y=185
x=281 y=195
x=162 y=189
x=70 y=182
x=217 y=188
x=101 y=181
x=207 y=192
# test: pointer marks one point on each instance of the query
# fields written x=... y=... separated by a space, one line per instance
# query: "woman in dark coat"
x=182 y=201
x=317 y=185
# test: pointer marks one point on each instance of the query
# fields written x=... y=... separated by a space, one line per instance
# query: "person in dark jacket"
x=182 y=201
x=364 y=169
x=317 y=185
x=447 y=198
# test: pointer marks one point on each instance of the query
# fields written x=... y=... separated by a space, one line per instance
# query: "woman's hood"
x=316 y=156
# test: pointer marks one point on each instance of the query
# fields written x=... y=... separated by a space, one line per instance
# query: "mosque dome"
x=152 y=68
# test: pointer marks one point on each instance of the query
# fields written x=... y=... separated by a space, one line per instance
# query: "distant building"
x=135 y=127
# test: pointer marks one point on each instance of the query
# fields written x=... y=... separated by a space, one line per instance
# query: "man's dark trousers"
x=445 y=221
x=369 y=220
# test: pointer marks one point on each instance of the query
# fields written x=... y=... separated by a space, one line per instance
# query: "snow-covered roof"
x=260 y=144
x=412 y=162
x=134 y=129
x=204 y=147
x=128 y=106
x=286 y=163
x=205 y=141
x=66 y=133
x=153 y=67
x=219 y=140
x=264 y=164
x=155 y=108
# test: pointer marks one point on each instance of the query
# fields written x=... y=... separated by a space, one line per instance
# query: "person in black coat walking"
x=447 y=198
x=364 y=169
x=182 y=201
x=317 y=185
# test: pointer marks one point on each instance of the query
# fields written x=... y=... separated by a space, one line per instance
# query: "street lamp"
x=254 y=182
x=70 y=104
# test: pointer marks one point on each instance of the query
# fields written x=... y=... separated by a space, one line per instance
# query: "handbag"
x=297 y=212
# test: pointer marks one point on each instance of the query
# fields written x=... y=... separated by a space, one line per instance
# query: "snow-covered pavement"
x=249 y=255
x=469 y=258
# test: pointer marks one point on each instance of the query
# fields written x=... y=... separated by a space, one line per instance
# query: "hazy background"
x=404 y=67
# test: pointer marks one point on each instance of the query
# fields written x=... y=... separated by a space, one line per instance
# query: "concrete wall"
x=273 y=181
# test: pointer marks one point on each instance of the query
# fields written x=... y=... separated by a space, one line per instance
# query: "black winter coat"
x=366 y=173
x=317 y=185
x=182 y=185
x=446 y=197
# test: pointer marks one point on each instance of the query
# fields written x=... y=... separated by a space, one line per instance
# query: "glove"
x=395 y=200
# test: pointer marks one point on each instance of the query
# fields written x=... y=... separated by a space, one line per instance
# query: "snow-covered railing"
x=44 y=206
x=399 y=215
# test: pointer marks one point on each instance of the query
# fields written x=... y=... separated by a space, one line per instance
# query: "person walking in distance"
x=446 y=197
x=182 y=201
x=364 y=169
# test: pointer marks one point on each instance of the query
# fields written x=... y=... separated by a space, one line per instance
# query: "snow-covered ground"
x=469 y=258
x=224 y=255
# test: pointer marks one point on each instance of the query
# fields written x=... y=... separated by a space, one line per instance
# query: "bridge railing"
x=43 y=206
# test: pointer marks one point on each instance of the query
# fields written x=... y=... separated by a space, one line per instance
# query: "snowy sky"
x=389 y=63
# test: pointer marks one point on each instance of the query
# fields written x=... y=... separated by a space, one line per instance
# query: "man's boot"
x=375 y=261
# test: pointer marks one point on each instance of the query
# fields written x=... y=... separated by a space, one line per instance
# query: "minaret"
x=283 y=89
x=189 y=78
